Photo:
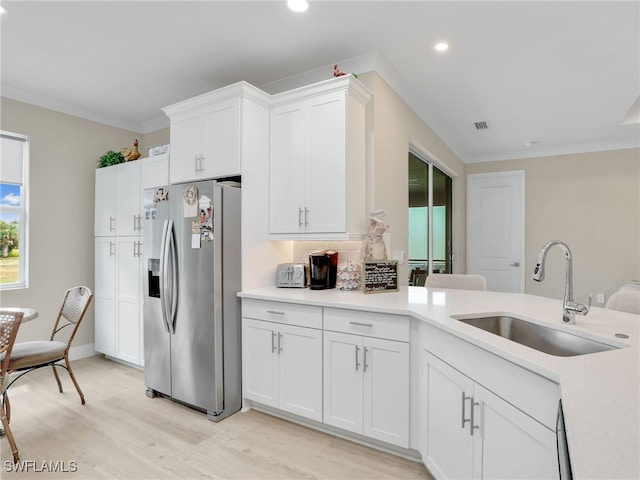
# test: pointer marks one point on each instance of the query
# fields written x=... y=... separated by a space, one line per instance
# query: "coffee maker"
x=323 y=268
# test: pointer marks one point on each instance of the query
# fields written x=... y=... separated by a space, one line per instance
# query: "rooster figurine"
x=338 y=73
x=129 y=154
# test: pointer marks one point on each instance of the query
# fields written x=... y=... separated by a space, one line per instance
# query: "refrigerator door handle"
x=173 y=296
x=163 y=275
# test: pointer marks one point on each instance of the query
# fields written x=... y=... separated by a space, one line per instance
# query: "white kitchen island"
x=600 y=392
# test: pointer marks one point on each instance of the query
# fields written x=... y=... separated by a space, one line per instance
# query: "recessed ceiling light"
x=2 y=10
x=298 y=5
x=441 y=46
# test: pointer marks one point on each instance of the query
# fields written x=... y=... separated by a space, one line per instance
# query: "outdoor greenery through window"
x=13 y=210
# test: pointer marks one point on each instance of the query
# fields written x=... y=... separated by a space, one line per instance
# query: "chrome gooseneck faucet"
x=569 y=307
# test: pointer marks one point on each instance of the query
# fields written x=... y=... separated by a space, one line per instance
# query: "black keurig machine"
x=323 y=268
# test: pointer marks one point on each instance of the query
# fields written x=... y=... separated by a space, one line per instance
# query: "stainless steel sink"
x=541 y=338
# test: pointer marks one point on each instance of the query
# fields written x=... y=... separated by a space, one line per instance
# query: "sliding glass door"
x=430 y=242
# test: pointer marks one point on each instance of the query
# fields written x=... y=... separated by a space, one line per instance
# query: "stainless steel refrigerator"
x=191 y=313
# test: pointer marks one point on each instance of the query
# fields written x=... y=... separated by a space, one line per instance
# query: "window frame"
x=23 y=214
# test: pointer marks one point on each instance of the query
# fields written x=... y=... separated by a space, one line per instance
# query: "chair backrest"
x=74 y=306
x=9 y=324
x=458 y=281
x=625 y=301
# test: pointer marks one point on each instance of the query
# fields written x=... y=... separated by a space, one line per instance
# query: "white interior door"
x=495 y=229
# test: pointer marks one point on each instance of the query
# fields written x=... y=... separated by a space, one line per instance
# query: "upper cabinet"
x=118 y=194
x=209 y=133
x=318 y=161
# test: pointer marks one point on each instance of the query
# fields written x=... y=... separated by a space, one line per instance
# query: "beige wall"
x=591 y=201
x=64 y=151
x=396 y=127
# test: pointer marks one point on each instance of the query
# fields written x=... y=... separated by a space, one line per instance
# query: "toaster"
x=291 y=275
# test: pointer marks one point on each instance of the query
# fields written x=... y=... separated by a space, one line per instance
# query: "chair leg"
x=55 y=374
x=7 y=407
x=73 y=379
x=9 y=435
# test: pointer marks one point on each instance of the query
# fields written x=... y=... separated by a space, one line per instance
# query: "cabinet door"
x=105 y=202
x=154 y=172
x=128 y=199
x=300 y=358
x=449 y=442
x=104 y=295
x=509 y=443
x=386 y=390
x=185 y=148
x=343 y=382
x=128 y=305
x=287 y=169
x=326 y=180
x=221 y=139
x=260 y=361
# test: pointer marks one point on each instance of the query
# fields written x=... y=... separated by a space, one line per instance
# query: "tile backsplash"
x=347 y=250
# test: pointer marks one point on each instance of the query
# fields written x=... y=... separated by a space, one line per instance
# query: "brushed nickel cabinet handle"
x=357 y=364
x=361 y=324
x=464 y=401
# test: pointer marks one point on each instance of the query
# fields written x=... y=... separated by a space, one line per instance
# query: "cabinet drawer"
x=281 y=312
x=392 y=327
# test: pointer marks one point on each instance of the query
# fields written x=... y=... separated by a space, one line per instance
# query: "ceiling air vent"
x=483 y=125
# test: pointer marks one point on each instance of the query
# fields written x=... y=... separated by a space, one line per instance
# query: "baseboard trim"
x=82 y=351
x=407 y=453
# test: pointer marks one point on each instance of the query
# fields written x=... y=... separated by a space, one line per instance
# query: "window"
x=430 y=220
x=14 y=174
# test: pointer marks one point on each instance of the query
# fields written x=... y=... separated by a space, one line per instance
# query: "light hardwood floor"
x=120 y=433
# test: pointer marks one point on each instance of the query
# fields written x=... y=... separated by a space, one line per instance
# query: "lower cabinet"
x=473 y=433
x=366 y=374
x=118 y=306
x=366 y=386
x=282 y=364
x=284 y=369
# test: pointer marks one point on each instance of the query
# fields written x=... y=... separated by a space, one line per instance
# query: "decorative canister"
x=349 y=276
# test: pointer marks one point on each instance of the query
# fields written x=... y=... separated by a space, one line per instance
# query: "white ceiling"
x=562 y=74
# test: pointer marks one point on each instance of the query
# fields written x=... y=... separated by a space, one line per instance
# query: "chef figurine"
x=373 y=247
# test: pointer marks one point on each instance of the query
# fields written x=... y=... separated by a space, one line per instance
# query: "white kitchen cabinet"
x=118 y=289
x=128 y=299
x=366 y=378
x=482 y=416
x=128 y=199
x=118 y=194
x=105 y=201
x=282 y=363
x=473 y=433
x=104 y=295
x=209 y=134
x=118 y=255
x=318 y=161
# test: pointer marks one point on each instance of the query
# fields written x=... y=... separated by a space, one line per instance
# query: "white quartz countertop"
x=600 y=391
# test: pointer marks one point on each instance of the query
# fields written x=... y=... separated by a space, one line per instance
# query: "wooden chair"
x=459 y=281
x=29 y=356
x=9 y=324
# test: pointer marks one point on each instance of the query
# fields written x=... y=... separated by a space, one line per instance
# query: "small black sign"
x=380 y=276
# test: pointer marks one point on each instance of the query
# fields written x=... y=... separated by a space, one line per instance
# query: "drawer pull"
x=275 y=312
x=361 y=324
